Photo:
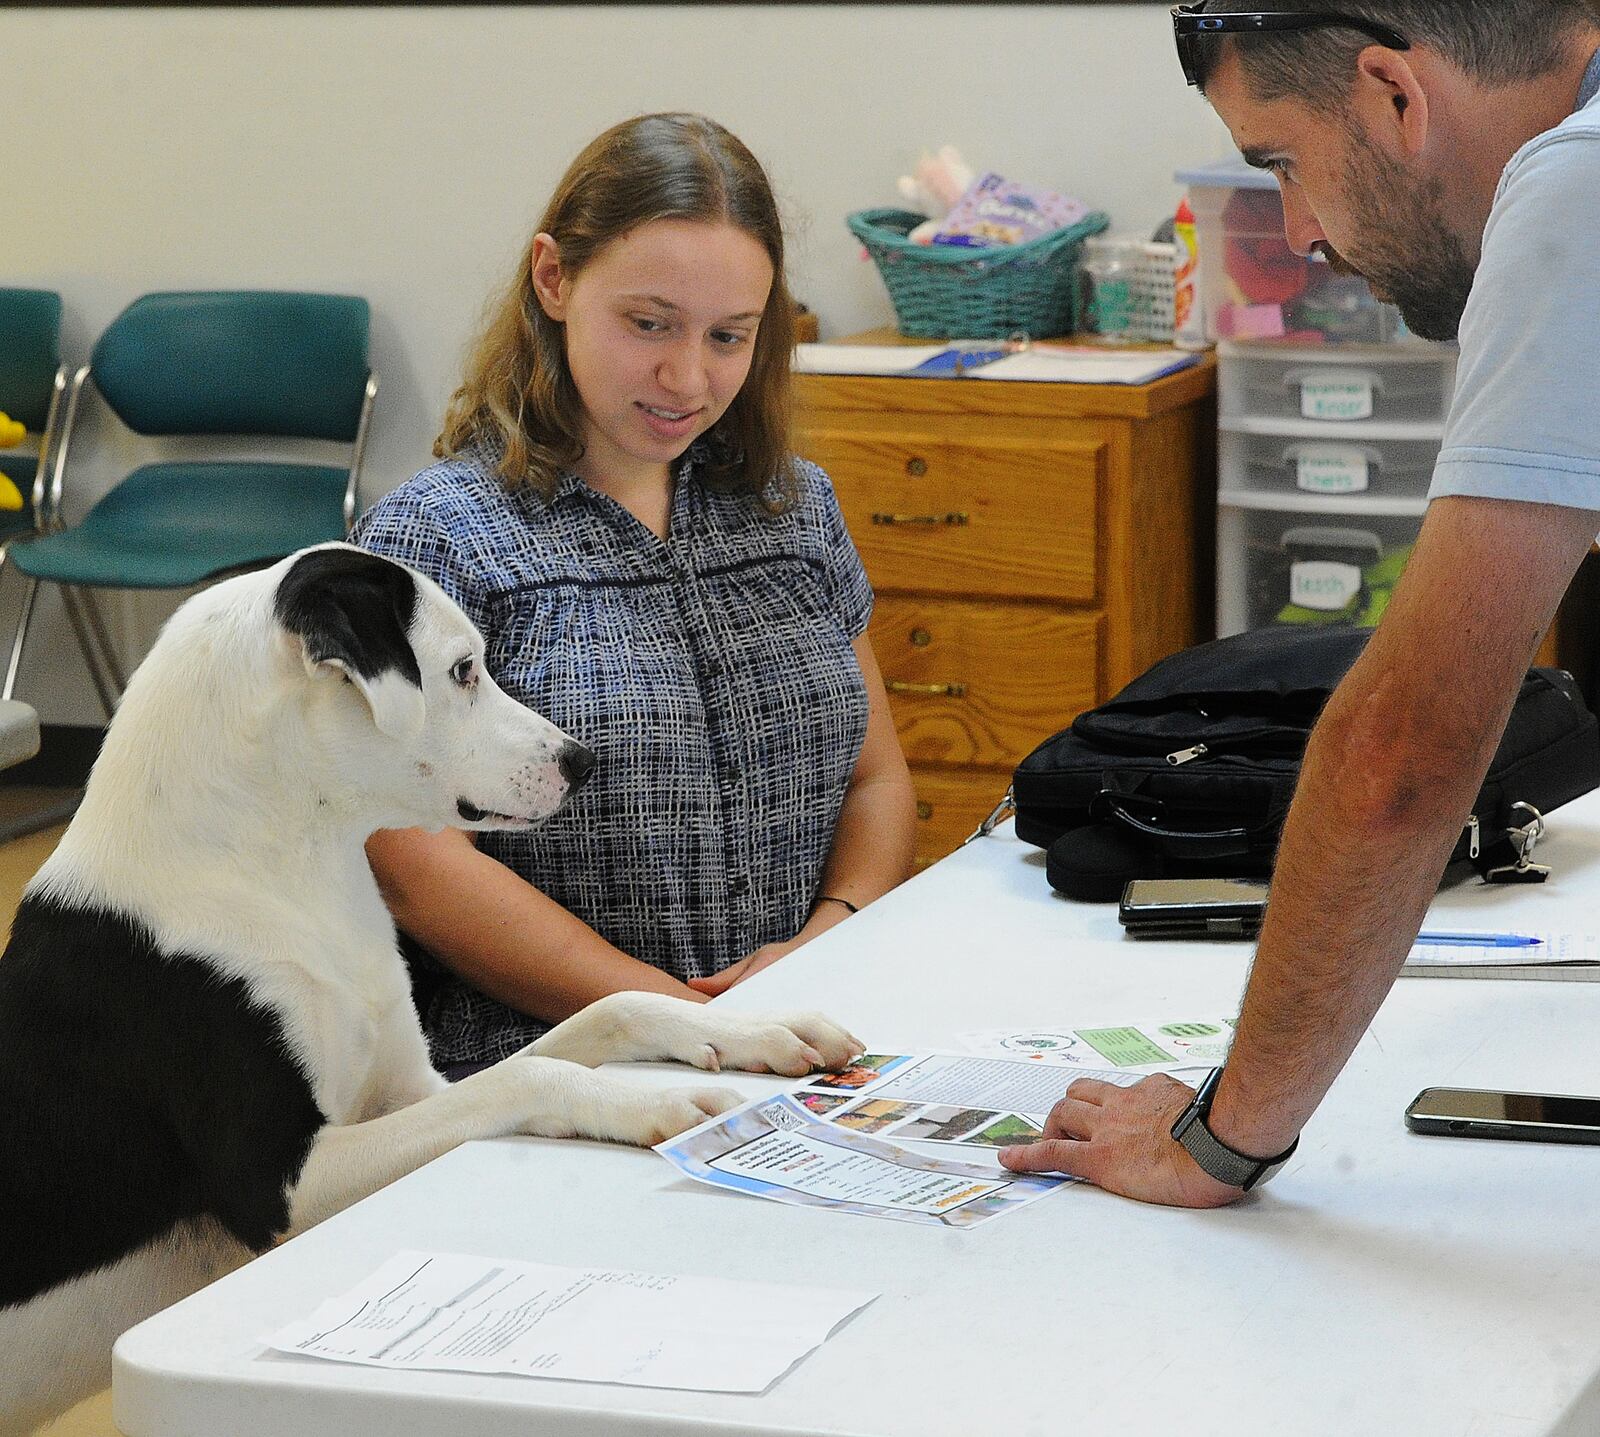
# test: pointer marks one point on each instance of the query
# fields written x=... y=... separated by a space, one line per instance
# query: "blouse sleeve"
x=846 y=577
x=410 y=525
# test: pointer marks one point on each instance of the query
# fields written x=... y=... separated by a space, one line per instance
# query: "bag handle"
x=1174 y=842
x=1121 y=802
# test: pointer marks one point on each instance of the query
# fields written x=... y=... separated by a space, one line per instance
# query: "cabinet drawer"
x=1008 y=518
x=950 y=805
x=982 y=683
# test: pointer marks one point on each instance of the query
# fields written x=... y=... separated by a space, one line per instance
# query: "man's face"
x=1368 y=210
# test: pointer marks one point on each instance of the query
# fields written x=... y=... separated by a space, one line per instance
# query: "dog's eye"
x=464 y=674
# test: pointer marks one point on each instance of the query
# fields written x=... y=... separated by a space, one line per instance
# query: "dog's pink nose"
x=576 y=763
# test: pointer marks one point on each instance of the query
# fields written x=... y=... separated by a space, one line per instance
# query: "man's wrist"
x=1232 y=1121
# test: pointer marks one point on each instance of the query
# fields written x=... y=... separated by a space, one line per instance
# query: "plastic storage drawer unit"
x=1401 y=384
x=1310 y=569
x=1330 y=467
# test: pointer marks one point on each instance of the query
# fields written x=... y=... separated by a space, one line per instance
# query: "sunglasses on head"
x=1191 y=23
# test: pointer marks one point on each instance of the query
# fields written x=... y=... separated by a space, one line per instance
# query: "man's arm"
x=1389 y=778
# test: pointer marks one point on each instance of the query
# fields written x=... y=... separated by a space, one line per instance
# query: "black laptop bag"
x=1189 y=771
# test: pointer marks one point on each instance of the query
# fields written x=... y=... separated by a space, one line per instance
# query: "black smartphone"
x=1480 y=1113
x=1193 y=907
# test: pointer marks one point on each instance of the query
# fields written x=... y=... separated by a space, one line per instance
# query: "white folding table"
x=1385 y=1284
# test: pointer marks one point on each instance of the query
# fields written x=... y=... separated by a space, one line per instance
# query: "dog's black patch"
x=353 y=607
x=138 y=1088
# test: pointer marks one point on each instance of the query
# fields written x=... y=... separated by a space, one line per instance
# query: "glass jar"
x=1108 y=288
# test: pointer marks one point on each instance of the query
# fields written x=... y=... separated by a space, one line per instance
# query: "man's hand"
x=1121 y=1139
x=744 y=968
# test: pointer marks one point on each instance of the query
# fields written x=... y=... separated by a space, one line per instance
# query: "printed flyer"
x=1140 y=1048
x=776 y=1148
x=971 y=1102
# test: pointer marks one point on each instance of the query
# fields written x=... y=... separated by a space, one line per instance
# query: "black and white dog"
x=207 y=1040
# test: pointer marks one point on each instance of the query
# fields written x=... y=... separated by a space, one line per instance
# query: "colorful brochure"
x=777 y=1149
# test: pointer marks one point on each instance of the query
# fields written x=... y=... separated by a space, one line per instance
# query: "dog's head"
x=397 y=686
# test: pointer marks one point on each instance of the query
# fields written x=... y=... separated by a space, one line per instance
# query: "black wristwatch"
x=1215 y=1157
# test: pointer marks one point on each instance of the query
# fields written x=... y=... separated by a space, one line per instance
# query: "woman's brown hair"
x=518 y=398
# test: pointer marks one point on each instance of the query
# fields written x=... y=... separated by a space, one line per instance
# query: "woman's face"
x=660 y=332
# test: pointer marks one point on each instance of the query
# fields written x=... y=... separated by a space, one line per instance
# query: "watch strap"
x=1215 y=1157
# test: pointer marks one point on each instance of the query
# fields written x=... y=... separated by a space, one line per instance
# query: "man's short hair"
x=1497 y=42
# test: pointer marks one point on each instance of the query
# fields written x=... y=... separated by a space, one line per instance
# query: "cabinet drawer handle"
x=942 y=691
x=924 y=810
x=916 y=468
x=926 y=520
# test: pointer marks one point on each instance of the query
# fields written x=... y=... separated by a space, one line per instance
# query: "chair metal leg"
x=21 y=629
x=102 y=635
x=86 y=644
x=19 y=638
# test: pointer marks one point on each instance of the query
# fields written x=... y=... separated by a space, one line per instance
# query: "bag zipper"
x=1188 y=755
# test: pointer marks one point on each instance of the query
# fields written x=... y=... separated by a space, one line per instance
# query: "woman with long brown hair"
x=618 y=509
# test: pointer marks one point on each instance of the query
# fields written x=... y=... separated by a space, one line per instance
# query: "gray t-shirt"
x=1525 y=422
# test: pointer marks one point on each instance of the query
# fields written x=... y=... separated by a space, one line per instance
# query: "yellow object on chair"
x=11 y=435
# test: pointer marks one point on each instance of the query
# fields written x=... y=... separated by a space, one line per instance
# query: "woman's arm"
x=498 y=932
x=875 y=839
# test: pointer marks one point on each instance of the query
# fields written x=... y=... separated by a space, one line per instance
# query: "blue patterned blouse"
x=712 y=673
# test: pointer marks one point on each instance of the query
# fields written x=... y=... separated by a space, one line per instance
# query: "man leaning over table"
x=1449 y=151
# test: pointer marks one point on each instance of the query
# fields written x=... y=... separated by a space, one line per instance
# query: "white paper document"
x=1524 y=954
x=1044 y=365
x=1170 y=1046
x=775 y=1148
x=863 y=358
x=476 y=1314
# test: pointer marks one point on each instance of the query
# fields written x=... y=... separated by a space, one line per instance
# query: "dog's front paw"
x=794 y=1045
x=653 y=1117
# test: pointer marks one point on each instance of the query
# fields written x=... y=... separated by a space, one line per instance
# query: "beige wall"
x=402 y=154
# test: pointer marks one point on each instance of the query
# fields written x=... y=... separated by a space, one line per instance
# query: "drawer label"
x=1323 y=584
x=1331 y=469
x=1338 y=394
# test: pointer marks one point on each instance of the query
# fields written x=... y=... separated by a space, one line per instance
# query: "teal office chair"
x=238 y=363
x=32 y=380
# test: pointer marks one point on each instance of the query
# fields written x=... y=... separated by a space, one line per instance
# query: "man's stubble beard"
x=1409 y=254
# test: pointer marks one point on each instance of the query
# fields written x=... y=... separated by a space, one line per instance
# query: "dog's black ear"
x=352 y=613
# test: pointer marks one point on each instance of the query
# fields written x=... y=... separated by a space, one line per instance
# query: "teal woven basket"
x=953 y=292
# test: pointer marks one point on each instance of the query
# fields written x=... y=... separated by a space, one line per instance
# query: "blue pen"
x=1479 y=940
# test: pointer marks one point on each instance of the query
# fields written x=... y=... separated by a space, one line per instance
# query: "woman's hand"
x=738 y=972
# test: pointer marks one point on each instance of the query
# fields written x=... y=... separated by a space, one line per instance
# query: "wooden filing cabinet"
x=1033 y=548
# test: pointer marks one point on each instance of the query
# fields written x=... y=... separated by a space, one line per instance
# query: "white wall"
x=403 y=153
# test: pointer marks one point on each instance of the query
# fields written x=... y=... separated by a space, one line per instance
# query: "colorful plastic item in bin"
x=1370 y=601
x=1257 y=256
x=996 y=210
x=1252 y=284
x=944 y=291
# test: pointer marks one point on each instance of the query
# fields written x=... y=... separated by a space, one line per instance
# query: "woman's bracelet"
x=829 y=898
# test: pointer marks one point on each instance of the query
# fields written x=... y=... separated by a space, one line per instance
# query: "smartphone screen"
x=1183 y=894
x=1473 y=1112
